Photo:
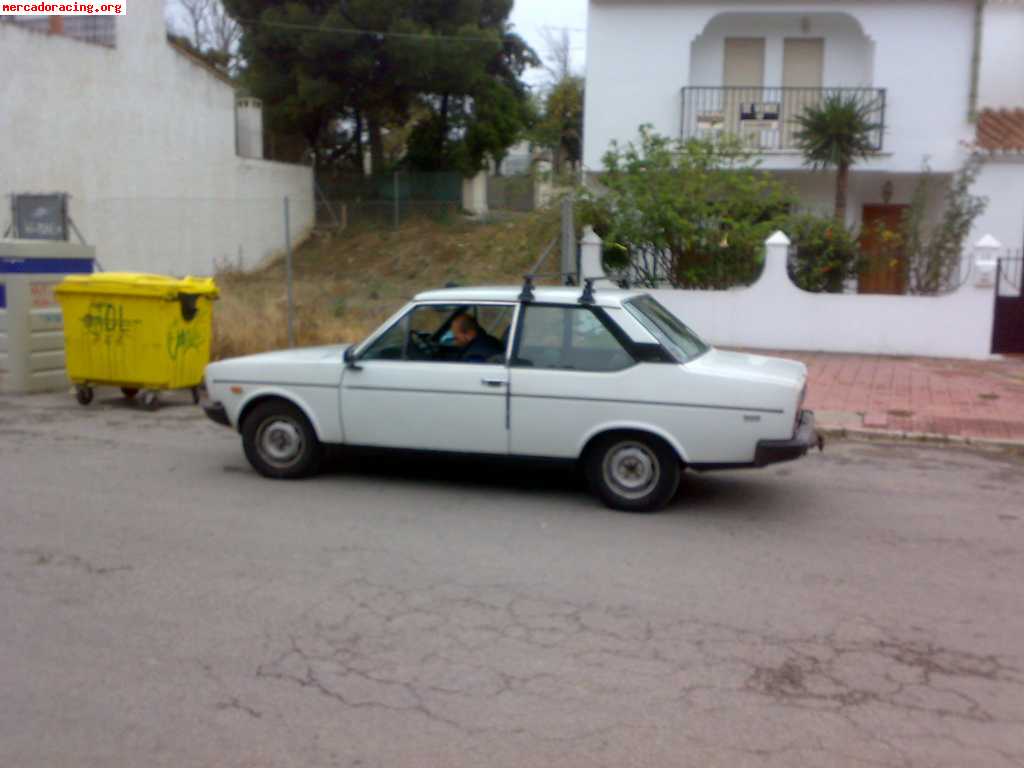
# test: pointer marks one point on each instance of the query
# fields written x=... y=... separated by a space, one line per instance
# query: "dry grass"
x=346 y=285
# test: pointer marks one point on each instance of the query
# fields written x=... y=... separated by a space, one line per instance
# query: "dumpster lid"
x=138 y=284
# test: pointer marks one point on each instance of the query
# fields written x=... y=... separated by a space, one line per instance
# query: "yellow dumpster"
x=138 y=332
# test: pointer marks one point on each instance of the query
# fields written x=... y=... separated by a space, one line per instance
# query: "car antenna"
x=527 y=292
x=587 y=297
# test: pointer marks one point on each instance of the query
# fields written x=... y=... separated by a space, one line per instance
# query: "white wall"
x=1002 y=182
x=1002 y=65
x=775 y=314
x=849 y=54
x=817 y=191
x=143 y=139
x=639 y=59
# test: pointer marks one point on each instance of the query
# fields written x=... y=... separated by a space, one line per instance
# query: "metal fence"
x=98 y=30
x=443 y=187
x=764 y=118
x=359 y=215
x=511 y=193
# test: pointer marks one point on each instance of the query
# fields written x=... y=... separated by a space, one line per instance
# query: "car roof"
x=604 y=297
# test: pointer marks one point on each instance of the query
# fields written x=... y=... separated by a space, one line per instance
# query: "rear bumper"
x=777 y=451
x=216 y=412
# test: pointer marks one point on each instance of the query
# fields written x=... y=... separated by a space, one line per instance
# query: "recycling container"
x=142 y=333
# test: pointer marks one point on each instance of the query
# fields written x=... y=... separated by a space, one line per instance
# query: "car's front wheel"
x=280 y=442
x=633 y=472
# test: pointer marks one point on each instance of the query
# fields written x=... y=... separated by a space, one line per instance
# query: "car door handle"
x=493 y=382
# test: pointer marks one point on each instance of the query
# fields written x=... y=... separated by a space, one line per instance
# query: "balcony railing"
x=764 y=118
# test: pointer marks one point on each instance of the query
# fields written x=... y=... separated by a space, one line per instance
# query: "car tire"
x=279 y=441
x=632 y=471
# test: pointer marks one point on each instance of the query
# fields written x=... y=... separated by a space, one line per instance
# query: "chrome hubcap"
x=631 y=469
x=280 y=441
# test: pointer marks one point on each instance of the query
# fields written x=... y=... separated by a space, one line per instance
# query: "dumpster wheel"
x=150 y=400
x=83 y=394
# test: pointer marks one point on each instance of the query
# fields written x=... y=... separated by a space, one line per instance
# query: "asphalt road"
x=161 y=605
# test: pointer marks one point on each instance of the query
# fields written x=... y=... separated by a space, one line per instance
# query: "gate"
x=1008 y=329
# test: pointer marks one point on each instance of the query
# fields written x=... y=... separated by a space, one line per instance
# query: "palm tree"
x=836 y=134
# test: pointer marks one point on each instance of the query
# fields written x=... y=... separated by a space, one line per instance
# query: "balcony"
x=764 y=118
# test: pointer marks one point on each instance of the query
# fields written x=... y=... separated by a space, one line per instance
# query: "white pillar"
x=474 y=194
x=591 y=261
x=249 y=127
x=776 y=261
x=543 y=185
x=986 y=260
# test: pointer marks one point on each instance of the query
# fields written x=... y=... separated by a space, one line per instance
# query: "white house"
x=929 y=68
x=162 y=163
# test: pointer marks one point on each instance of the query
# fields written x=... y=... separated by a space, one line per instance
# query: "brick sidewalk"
x=951 y=398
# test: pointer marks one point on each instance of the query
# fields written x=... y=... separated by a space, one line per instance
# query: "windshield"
x=684 y=344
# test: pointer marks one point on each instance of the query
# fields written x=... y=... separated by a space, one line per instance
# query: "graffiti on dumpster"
x=106 y=322
x=181 y=340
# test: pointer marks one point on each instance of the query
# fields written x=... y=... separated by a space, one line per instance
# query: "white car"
x=608 y=378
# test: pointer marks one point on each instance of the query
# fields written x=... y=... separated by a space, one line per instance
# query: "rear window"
x=674 y=335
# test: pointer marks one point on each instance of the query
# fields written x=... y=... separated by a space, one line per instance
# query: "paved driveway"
x=160 y=605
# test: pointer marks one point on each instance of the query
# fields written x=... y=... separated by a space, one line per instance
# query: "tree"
x=836 y=134
x=933 y=255
x=560 y=125
x=691 y=213
x=211 y=32
x=451 y=66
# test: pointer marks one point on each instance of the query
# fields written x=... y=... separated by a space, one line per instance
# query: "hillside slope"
x=347 y=284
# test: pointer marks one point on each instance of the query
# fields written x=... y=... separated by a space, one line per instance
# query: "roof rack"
x=587 y=297
x=527 y=293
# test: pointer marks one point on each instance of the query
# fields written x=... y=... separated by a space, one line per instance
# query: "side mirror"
x=350 y=357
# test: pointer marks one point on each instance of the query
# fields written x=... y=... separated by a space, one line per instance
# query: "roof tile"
x=1001 y=130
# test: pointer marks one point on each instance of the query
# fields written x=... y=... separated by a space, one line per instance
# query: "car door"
x=409 y=390
x=569 y=374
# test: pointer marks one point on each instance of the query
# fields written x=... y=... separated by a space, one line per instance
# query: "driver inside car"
x=476 y=344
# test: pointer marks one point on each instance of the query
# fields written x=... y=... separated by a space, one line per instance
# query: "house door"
x=743 y=78
x=1008 y=329
x=803 y=75
x=885 y=267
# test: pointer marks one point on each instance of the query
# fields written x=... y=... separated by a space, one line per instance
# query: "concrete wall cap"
x=590 y=237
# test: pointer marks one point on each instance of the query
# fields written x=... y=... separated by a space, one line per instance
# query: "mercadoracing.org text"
x=64 y=9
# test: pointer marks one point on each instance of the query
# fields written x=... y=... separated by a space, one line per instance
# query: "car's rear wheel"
x=280 y=442
x=633 y=472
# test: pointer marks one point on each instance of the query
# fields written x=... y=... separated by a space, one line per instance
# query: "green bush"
x=693 y=214
x=826 y=254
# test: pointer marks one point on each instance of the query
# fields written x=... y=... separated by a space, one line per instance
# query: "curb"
x=924 y=438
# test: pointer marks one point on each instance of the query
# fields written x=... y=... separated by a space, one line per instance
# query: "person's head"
x=465 y=329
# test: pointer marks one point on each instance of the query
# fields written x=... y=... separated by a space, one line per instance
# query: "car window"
x=569 y=338
x=428 y=333
x=674 y=335
x=390 y=345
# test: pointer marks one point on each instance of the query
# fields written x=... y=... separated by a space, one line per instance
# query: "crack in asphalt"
x=455 y=655
x=43 y=557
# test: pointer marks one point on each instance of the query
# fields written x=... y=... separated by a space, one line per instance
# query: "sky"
x=531 y=17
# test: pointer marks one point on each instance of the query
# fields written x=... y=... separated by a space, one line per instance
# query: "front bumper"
x=215 y=412
x=777 y=451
